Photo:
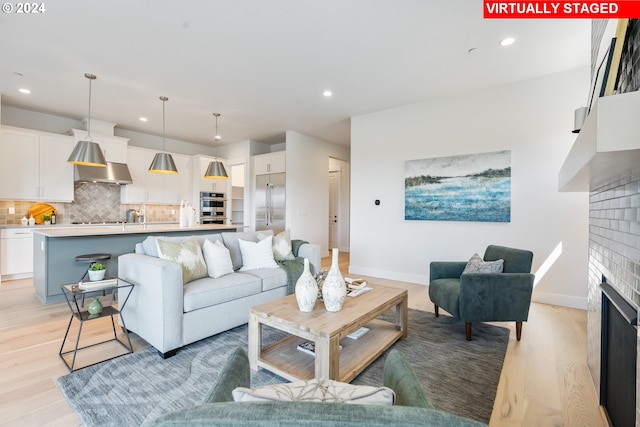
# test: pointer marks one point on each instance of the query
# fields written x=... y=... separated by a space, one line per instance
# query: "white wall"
x=307 y=192
x=533 y=119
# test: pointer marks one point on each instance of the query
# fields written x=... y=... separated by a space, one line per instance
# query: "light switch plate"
x=12 y=210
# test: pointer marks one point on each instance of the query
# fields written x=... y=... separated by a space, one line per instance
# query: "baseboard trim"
x=562 y=300
x=387 y=274
x=541 y=297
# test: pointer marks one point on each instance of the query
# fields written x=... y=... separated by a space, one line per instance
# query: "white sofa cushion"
x=272 y=278
x=217 y=258
x=230 y=240
x=209 y=292
x=257 y=255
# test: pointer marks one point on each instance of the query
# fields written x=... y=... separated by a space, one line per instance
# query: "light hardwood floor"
x=544 y=381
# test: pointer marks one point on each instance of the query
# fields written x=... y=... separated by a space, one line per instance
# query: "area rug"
x=459 y=376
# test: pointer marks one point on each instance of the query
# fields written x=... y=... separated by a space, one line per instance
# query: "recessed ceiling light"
x=143 y=119
x=24 y=90
x=327 y=93
x=507 y=41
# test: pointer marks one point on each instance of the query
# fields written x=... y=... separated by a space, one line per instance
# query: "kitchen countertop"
x=110 y=229
x=95 y=224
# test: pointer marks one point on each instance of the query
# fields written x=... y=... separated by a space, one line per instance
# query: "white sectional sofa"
x=169 y=314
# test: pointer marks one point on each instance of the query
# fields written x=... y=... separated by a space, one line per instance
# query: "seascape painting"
x=471 y=187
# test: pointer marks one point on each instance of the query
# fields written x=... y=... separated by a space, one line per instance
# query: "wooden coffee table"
x=328 y=331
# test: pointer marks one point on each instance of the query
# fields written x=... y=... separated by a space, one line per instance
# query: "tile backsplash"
x=93 y=202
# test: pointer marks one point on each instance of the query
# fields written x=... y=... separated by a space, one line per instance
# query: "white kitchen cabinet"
x=269 y=163
x=175 y=188
x=156 y=188
x=33 y=165
x=114 y=148
x=138 y=161
x=56 y=174
x=16 y=253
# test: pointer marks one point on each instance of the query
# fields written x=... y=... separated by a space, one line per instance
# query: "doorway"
x=338 y=212
x=237 y=195
x=334 y=193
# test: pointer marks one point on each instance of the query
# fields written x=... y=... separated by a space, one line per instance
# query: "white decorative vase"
x=306 y=290
x=333 y=288
x=95 y=275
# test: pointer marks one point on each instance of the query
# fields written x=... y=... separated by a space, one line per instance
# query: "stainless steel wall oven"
x=213 y=208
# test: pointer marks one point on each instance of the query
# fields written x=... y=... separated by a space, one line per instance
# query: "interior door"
x=333 y=209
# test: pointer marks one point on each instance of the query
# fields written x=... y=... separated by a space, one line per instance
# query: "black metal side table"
x=75 y=296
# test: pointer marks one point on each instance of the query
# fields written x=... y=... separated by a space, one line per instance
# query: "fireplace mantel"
x=607 y=147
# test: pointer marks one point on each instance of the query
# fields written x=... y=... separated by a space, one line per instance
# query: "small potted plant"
x=47 y=219
x=97 y=271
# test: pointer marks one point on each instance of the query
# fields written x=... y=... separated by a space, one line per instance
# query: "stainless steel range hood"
x=114 y=173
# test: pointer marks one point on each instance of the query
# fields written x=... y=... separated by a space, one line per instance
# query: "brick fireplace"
x=614 y=253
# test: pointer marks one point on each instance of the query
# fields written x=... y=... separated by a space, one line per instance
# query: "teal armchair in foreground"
x=485 y=297
x=412 y=406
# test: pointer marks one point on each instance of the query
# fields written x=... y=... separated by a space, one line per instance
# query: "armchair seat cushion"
x=208 y=292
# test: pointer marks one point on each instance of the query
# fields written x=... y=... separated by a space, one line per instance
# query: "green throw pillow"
x=188 y=254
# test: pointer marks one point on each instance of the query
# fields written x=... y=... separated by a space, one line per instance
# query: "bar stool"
x=90 y=259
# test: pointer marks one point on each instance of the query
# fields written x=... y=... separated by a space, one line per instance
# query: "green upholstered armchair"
x=485 y=297
x=412 y=407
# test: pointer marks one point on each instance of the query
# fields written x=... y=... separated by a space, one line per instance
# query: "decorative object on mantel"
x=334 y=289
x=629 y=76
x=579 y=116
x=216 y=169
x=96 y=272
x=306 y=289
x=86 y=152
x=163 y=162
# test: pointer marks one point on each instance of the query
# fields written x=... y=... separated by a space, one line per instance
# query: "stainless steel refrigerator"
x=270 y=202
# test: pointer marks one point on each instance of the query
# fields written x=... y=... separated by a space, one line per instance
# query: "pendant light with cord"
x=86 y=152
x=163 y=162
x=216 y=169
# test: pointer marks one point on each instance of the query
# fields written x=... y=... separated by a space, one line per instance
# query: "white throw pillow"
x=477 y=265
x=317 y=390
x=188 y=254
x=218 y=258
x=257 y=255
x=282 y=247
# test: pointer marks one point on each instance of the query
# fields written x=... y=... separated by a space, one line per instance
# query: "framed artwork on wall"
x=629 y=73
x=470 y=187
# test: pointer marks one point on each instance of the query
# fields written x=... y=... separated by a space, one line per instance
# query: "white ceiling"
x=264 y=64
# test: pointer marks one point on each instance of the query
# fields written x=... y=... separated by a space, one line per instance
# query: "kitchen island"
x=55 y=250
